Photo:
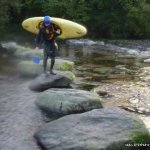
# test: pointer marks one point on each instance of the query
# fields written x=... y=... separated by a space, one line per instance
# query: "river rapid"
x=96 y=64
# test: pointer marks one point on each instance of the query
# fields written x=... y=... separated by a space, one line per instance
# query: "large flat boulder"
x=60 y=80
x=99 y=129
x=60 y=102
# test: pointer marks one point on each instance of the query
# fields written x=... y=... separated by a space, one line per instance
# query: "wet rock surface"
x=142 y=45
x=46 y=81
x=129 y=48
x=98 y=129
x=60 y=102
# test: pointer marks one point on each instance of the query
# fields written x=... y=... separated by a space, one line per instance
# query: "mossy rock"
x=99 y=129
x=64 y=65
x=29 y=68
x=59 y=102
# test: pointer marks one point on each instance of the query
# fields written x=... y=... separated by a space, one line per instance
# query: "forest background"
x=119 y=19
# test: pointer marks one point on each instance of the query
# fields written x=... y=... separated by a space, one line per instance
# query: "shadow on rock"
x=44 y=82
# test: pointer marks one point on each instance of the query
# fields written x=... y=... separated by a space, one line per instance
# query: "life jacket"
x=50 y=31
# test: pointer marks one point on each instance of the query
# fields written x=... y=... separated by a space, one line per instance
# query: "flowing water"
x=94 y=66
x=20 y=118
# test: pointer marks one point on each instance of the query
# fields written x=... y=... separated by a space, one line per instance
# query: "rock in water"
x=27 y=68
x=99 y=129
x=60 y=102
x=44 y=82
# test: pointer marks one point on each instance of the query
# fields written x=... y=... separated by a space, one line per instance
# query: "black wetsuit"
x=48 y=34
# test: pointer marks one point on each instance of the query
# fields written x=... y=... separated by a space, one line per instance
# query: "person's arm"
x=57 y=30
x=38 y=39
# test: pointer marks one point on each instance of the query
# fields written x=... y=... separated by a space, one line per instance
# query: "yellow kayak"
x=69 y=29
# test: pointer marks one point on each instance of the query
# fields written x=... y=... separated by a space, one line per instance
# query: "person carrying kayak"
x=48 y=33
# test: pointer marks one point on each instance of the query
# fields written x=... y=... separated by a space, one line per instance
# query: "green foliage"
x=103 y=18
x=9 y=12
x=3 y=13
x=14 y=11
x=141 y=138
x=55 y=7
x=138 y=20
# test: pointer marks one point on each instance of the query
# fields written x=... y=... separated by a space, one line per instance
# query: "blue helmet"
x=47 y=20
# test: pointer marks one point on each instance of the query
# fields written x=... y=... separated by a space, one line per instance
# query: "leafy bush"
x=103 y=18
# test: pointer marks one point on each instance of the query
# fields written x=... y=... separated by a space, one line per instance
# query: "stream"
x=96 y=64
